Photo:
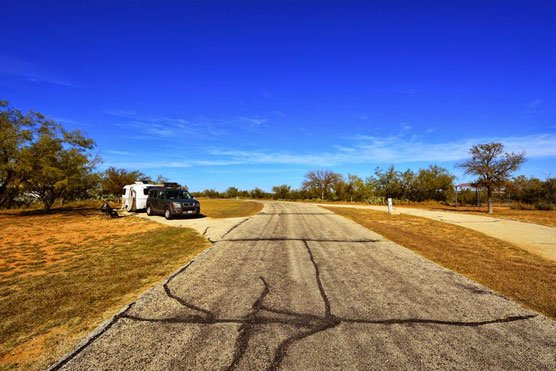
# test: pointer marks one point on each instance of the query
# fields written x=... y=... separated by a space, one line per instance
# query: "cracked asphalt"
x=297 y=287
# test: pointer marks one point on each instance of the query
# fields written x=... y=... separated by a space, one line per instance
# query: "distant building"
x=473 y=187
x=464 y=186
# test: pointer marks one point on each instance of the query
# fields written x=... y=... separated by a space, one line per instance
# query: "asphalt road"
x=298 y=287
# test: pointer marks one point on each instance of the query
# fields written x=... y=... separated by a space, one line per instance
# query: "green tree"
x=387 y=183
x=232 y=192
x=114 y=180
x=55 y=162
x=16 y=133
x=407 y=185
x=355 y=189
x=340 y=187
x=434 y=183
x=282 y=192
x=257 y=193
x=492 y=166
x=83 y=183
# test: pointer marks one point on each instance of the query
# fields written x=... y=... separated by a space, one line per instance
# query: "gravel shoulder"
x=537 y=239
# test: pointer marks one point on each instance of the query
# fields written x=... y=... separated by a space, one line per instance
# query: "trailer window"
x=123 y=194
x=145 y=191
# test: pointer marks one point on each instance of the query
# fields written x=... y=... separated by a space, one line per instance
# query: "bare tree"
x=492 y=166
x=162 y=179
x=322 y=180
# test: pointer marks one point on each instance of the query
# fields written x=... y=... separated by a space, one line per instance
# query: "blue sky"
x=255 y=93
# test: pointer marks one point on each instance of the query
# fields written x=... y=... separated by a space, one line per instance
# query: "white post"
x=389 y=206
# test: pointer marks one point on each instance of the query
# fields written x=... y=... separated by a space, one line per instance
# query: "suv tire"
x=149 y=210
x=168 y=213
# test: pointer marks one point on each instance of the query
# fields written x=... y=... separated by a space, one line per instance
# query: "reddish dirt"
x=49 y=238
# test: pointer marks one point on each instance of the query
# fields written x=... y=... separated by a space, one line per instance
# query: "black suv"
x=171 y=202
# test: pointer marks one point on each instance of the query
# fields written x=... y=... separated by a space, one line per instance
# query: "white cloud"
x=393 y=150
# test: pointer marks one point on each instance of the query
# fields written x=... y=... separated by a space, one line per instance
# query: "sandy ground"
x=537 y=239
x=297 y=287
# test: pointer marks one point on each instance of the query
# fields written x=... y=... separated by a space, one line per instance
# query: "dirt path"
x=537 y=239
x=297 y=287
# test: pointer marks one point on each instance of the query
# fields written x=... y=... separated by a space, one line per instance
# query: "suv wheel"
x=168 y=214
x=149 y=210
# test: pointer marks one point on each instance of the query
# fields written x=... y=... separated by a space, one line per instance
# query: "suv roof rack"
x=170 y=185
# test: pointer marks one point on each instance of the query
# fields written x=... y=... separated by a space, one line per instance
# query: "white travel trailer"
x=134 y=196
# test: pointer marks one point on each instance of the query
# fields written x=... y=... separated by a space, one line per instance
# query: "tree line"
x=433 y=183
x=42 y=161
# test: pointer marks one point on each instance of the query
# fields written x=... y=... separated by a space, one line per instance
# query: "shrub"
x=544 y=205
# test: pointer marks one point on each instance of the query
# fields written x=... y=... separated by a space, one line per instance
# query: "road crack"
x=305 y=325
x=234 y=227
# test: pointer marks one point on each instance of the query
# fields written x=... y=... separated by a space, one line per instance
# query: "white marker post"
x=389 y=206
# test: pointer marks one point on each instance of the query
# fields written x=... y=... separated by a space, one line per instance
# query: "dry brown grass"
x=507 y=269
x=541 y=217
x=63 y=273
x=226 y=208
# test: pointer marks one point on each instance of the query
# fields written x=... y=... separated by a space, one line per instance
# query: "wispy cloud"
x=166 y=127
x=119 y=153
x=65 y=120
x=535 y=103
x=257 y=170
x=363 y=149
x=120 y=113
x=140 y=165
x=18 y=67
x=393 y=150
x=535 y=106
x=405 y=126
x=252 y=120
